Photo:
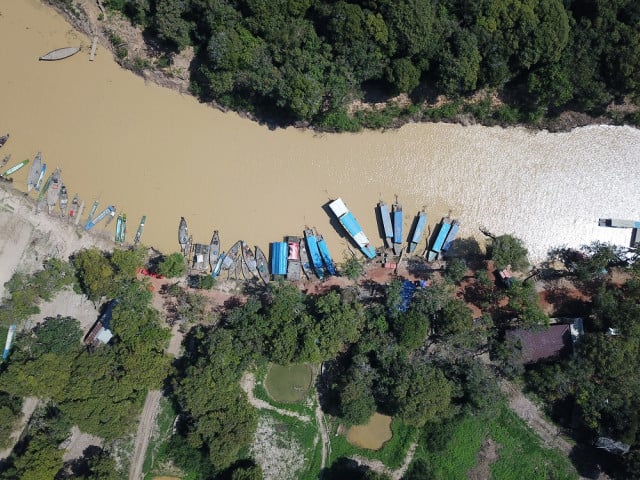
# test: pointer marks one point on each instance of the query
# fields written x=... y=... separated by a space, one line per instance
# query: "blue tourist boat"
x=436 y=247
x=218 y=266
x=353 y=228
x=451 y=236
x=420 y=222
x=326 y=256
x=92 y=223
x=385 y=217
x=314 y=252
x=397 y=227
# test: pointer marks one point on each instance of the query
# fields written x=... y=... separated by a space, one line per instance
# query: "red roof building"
x=539 y=344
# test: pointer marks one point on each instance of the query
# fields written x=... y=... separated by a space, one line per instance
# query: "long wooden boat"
x=397 y=227
x=99 y=218
x=352 y=227
x=64 y=200
x=420 y=222
x=3 y=139
x=326 y=256
x=214 y=250
x=73 y=208
x=249 y=263
x=42 y=200
x=451 y=236
x=34 y=172
x=112 y=215
x=92 y=212
x=294 y=266
x=53 y=194
x=305 y=263
x=230 y=263
x=385 y=218
x=123 y=234
x=314 y=252
x=60 y=53
x=136 y=239
x=5 y=160
x=218 y=266
x=118 y=229
x=183 y=233
x=15 y=168
x=436 y=246
x=262 y=265
x=43 y=170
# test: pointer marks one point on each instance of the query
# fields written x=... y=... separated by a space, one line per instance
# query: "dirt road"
x=28 y=406
x=147 y=422
x=379 y=467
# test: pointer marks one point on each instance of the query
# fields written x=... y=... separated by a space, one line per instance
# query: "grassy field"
x=520 y=453
x=155 y=462
x=288 y=384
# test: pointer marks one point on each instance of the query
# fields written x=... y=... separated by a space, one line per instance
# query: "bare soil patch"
x=487 y=455
x=147 y=422
x=76 y=444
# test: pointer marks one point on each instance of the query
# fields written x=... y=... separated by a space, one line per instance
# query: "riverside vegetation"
x=421 y=366
x=310 y=60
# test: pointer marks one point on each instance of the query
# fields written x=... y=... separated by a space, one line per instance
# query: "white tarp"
x=338 y=207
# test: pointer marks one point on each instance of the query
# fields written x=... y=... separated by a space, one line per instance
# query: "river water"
x=149 y=150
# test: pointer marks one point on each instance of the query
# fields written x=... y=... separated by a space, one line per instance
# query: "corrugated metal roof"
x=542 y=344
x=397 y=226
x=278 y=261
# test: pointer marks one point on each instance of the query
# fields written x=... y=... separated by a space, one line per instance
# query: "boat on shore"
x=53 y=194
x=118 y=229
x=41 y=200
x=34 y=172
x=294 y=266
x=43 y=170
x=249 y=260
x=353 y=228
x=385 y=218
x=214 y=250
x=15 y=168
x=398 y=218
x=73 y=208
x=230 y=263
x=218 y=266
x=60 y=53
x=99 y=218
x=123 y=234
x=183 y=234
x=112 y=215
x=418 y=228
x=3 y=139
x=92 y=212
x=136 y=239
x=436 y=246
x=451 y=236
x=305 y=262
x=64 y=200
x=262 y=266
x=5 y=160
x=314 y=252
x=326 y=256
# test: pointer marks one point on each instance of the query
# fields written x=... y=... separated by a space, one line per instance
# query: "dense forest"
x=308 y=60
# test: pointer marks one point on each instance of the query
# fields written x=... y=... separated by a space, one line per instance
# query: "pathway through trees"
x=147 y=421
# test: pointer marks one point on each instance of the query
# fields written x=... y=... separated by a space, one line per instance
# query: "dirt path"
x=28 y=406
x=379 y=467
x=147 y=421
x=248 y=383
x=324 y=434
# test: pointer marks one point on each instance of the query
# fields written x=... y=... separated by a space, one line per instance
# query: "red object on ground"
x=390 y=265
x=148 y=273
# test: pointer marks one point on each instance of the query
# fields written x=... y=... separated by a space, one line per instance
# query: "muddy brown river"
x=149 y=150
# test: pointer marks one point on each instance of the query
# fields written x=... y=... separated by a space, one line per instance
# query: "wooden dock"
x=94 y=46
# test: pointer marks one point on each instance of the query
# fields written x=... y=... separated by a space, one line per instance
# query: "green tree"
x=172 y=266
x=508 y=250
x=94 y=272
x=352 y=267
x=455 y=270
x=337 y=323
x=456 y=318
x=411 y=329
x=422 y=393
x=41 y=460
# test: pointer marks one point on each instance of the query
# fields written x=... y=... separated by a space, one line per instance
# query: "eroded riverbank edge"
x=87 y=17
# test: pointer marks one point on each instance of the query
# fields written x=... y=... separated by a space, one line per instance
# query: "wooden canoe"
x=60 y=53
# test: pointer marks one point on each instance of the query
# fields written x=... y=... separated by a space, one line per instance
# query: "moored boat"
x=60 y=53
x=3 y=139
x=136 y=239
x=123 y=235
x=111 y=216
x=15 y=168
x=262 y=265
x=420 y=222
x=118 y=229
x=99 y=218
x=92 y=212
x=314 y=252
x=34 y=172
x=64 y=200
x=278 y=259
x=53 y=194
x=249 y=260
x=397 y=227
x=41 y=201
x=214 y=250
x=451 y=236
x=5 y=160
x=305 y=263
x=352 y=227
x=385 y=218
x=43 y=170
x=436 y=246
x=326 y=256
x=294 y=267
x=73 y=208
x=230 y=263
x=183 y=233
x=218 y=266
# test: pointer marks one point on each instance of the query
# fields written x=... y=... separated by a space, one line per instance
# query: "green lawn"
x=520 y=453
x=288 y=384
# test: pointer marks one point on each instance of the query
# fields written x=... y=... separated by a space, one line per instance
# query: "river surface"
x=149 y=150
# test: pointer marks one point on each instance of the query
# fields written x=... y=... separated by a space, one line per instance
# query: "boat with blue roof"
x=314 y=252
x=326 y=256
x=396 y=211
x=418 y=228
x=441 y=236
x=92 y=223
x=385 y=218
x=353 y=228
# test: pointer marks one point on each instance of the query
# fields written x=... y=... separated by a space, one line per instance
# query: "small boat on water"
x=123 y=234
x=112 y=215
x=314 y=252
x=92 y=212
x=262 y=265
x=420 y=222
x=60 y=53
x=34 y=172
x=53 y=194
x=118 y=229
x=451 y=236
x=385 y=218
x=232 y=259
x=43 y=170
x=305 y=263
x=42 y=201
x=5 y=160
x=136 y=239
x=3 y=139
x=397 y=227
x=214 y=250
x=183 y=233
x=64 y=200
x=326 y=256
x=15 y=168
x=294 y=266
x=436 y=247
x=99 y=218
x=73 y=208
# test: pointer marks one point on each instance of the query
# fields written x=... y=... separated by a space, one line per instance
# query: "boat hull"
x=59 y=54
